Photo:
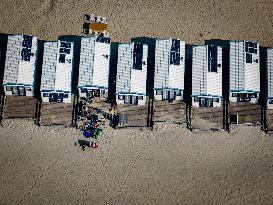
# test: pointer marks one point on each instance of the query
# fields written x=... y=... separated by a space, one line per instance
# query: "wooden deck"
x=169 y=112
x=137 y=115
x=207 y=117
x=20 y=107
x=140 y=116
x=56 y=114
x=248 y=112
x=1 y=106
x=270 y=120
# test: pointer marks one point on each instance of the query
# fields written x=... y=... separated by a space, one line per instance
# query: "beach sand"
x=170 y=165
x=192 y=21
x=41 y=165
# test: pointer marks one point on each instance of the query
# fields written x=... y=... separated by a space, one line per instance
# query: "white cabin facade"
x=94 y=68
x=206 y=76
x=20 y=65
x=244 y=71
x=269 y=79
x=57 y=71
x=169 y=69
x=131 y=74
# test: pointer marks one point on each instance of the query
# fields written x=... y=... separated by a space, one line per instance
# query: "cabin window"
x=121 y=97
x=175 y=52
x=233 y=119
x=209 y=102
x=212 y=51
x=216 y=100
x=250 y=47
x=137 y=56
x=159 y=92
x=8 y=88
x=178 y=93
x=62 y=58
x=248 y=58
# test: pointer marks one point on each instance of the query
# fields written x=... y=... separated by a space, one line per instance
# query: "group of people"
x=93 y=129
x=92 y=124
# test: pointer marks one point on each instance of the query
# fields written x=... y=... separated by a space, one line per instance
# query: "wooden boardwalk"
x=20 y=107
x=56 y=114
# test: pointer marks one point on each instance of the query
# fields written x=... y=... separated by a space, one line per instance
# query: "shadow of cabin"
x=38 y=74
x=113 y=71
x=266 y=115
x=3 y=50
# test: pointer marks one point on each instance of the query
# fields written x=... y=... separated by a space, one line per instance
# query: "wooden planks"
x=213 y=116
x=169 y=112
x=137 y=114
x=56 y=114
x=20 y=107
x=248 y=112
x=1 y=106
x=270 y=119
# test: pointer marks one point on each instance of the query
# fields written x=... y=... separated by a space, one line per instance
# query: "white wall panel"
x=199 y=70
x=101 y=65
x=139 y=77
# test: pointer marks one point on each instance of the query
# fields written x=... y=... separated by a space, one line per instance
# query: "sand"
x=192 y=21
x=167 y=166
x=171 y=165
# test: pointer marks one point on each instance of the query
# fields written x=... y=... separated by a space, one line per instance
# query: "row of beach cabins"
x=211 y=75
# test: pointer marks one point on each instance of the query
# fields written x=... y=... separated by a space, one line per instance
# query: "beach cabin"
x=20 y=65
x=269 y=79
x=244 y=71
x=94 y=67
x=206 y=76
x=131 y=73
x=169 y=69
x=57 y=71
